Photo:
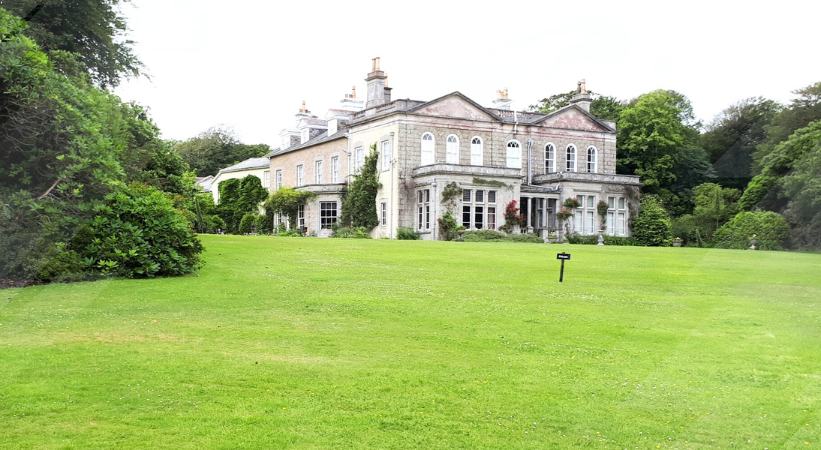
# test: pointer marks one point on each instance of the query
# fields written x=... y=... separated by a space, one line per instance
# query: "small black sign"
x=563 y=255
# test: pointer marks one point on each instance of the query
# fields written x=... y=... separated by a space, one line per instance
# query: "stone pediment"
x=573 y=118
x=455 y=105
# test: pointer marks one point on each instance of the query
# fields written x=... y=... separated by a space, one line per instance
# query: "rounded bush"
x=770 y=230
x=136 y=232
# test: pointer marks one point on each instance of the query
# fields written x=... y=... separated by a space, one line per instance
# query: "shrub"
x=351 y=233
x=770 y=230
x=449 y=227
x=264 y=224
x=653 y=226
x=406 y=234
x=571 y=203
x=685 y=227
x=248 y=223
x=137 y=233
x=282 y=232
x=286 y=201
x=483 y=236
x=512 y=217
x=495 y=236
x=576 y=238
x=359 y=204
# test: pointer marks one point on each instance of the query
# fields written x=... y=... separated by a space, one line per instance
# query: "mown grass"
x=311 y=343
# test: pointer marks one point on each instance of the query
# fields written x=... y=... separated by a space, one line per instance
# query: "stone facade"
x=507 y=163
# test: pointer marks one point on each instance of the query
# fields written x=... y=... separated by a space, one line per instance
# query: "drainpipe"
x=393 y=191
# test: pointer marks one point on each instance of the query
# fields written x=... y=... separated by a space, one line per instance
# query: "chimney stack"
x=582 y=98
x=502 y=100
x=376 y=86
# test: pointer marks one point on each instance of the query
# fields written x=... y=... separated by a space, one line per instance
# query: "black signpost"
x=563 y=257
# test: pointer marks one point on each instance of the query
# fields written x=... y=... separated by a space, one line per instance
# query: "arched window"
x=514 y=155
x=452 y=149
x=549 y=158
x=476 y=151
x=428 y=149
x=592 y=159
x=571 y=158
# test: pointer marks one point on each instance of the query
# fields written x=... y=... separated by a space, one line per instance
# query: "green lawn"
x=331 y=343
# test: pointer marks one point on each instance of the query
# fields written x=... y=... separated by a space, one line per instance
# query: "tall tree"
x=658 y=141
x=731 y=139
x=94 y=30
x=215 y=149
x=802 y=110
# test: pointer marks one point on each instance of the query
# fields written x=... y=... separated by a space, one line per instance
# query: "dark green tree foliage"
x=136 y=232
x=805 y=108
x=215 y=149
x=94 y=30
x=359 y=204
x=714 y=205
x=286 y=201
x=239 y=197
x=766 y=189
x=652 y=227
x=769 y=229
x=803 y=187
x=731 y=140
x=657 y=139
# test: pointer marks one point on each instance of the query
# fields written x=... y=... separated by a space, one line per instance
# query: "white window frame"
x=278 y=179
x=300 y=217
x=423 y=209
x=266 y=179
x=334 y=169
x=383 y=213
x=476 y=203
x=359 y=158
x=549 y=157
x=386 y=148
x=452 y=149
x=318 y=171
x=328 y=224
x=300 y=175
x=477 y=150
x=427 y=148
x=513 y=154
x=570 y=162
x=592 y=163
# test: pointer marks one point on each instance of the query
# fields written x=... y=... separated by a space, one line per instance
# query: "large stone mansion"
x=495 y=155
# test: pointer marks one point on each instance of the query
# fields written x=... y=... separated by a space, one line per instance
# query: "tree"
x=802 y=110
x=803 y=189
x=215 y=149
x=359 y=204
x=766 y=189
x=94 y=30
x=732 y=138
x=652 y=227
x=657 y=140
x=239 y=197
x=286 y=201
x=714 y=205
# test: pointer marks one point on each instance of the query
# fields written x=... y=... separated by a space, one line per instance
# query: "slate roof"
x=248 y=164
x=322 y=138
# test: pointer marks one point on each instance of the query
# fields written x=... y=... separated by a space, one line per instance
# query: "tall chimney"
x=582 y=98
x=376 y=85
x=502 y=100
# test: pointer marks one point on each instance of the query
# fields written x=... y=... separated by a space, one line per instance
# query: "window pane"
x=427 y=195
x=491 y=217
x=466 y=195
x=480 y=196
x=419 y=196
x=427 y=217
x=580 y=199
x=621 y=202
x=611 y=202
x=478 y=216
x=591 y=202
x=466 y=216
x=491 y=196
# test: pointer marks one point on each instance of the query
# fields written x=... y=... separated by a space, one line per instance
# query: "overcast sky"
x=248 y=65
